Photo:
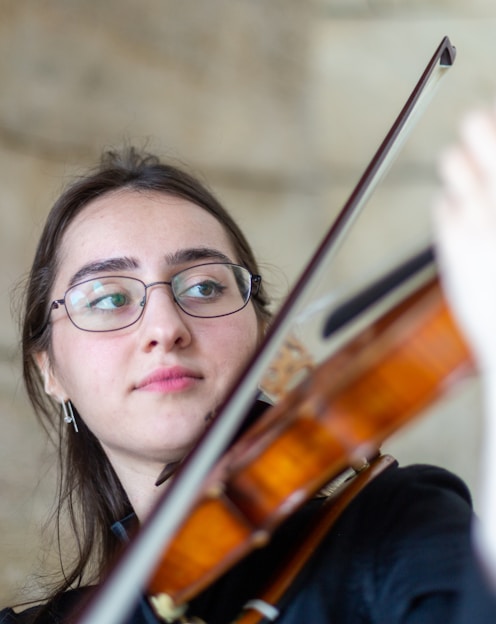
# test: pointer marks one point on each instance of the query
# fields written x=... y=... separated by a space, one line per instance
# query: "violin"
x=338 y=416
x=391 y=358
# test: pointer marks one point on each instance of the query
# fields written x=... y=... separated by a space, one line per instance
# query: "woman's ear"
x=52 y=385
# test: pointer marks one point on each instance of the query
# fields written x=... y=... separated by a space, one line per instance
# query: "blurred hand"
x=465 y=223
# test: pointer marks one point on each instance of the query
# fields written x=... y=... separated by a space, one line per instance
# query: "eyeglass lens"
x=115 y=302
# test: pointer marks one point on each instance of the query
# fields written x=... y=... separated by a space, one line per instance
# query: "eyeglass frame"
x=254 y=284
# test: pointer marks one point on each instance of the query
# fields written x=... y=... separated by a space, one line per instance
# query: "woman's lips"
x=173 y=379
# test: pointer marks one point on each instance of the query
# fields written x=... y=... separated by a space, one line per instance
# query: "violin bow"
x=121 y=590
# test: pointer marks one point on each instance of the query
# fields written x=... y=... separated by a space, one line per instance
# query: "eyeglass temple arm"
x=256 y=280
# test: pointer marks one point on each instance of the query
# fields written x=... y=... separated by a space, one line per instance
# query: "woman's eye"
x=205 y=290
x=109 y=302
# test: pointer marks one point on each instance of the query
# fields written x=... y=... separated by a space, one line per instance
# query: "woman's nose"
x=163 y=322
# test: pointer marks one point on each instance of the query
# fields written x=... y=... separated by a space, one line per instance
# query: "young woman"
x=143 y=305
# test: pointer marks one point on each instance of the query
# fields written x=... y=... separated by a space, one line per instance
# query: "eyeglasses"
x=206 y=291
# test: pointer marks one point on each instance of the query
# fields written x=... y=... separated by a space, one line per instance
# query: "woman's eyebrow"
x=196 y=253
x=125 y=263
x=103 y=266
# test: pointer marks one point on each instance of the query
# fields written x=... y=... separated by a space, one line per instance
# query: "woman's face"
x=146 y=391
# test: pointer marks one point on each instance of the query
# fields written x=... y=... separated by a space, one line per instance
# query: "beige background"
x=279 y=104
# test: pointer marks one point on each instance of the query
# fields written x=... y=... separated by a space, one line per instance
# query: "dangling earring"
x=69 y=414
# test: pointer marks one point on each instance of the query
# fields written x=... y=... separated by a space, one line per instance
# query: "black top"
x=400 y=553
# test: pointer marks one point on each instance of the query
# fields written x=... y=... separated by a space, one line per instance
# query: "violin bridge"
x=290 y=366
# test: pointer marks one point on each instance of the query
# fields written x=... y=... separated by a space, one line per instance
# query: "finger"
x=461 y=184
x=451 y=232
x=478 y=132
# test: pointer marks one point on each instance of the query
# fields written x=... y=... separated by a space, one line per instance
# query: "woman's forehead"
x=134 y=224
x=130 y=216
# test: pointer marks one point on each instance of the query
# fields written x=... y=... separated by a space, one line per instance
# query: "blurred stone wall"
x=278 y=104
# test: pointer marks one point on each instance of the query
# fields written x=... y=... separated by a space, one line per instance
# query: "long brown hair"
x=88 y=487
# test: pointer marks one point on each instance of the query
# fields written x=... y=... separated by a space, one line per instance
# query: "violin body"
x=337 y=417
